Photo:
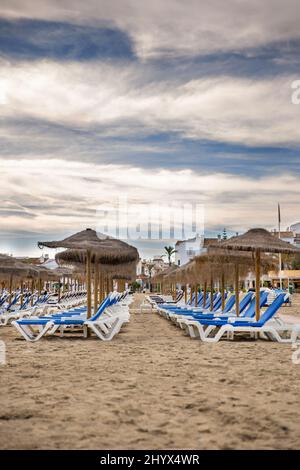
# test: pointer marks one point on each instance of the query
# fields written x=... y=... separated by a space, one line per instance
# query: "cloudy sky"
x=159 y=101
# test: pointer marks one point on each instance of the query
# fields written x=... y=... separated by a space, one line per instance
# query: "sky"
x=160 y=103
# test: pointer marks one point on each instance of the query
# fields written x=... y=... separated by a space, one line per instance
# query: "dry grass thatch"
x=257 y=239
x=11 y=267
x=76 y=259
x=216 y=263
x=168 y=274
x=221 y=259
x=104 y=249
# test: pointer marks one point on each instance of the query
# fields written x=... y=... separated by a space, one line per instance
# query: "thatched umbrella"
x=45 y=274
x=224 y=263
x=167 y=275
x=106 y=249
x=11 y=268
x=102 y=248
x=185 y=274
x=257 y=240
x=77 y=259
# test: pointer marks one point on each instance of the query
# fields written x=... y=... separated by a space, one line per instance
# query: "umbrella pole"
x=237 y=290
x=10 y=288
x=185 y=294
x=32 y=289
x=95 y=289
x=102 y=287
x=204 y=294
x=39 y=286
x=105 y=287
x=257 y=283
x=22 y=289
x=88 y=282
x=58 y=293
x=196 y=295
x=211 y=294
x=99 y=286
x=191 y=294
x=223 y=290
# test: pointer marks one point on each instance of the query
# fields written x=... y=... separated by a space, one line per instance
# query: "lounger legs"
x=97 y=329
x=30 y=334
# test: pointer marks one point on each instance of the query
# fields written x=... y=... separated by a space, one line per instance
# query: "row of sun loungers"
x=105 y=323
x=43 y=304
x=212 y=324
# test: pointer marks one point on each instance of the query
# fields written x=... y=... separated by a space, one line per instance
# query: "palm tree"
x=169 y=252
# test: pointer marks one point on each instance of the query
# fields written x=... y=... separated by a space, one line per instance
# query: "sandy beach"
x=151 y=387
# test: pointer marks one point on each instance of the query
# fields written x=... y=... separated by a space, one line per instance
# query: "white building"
x=291 y=234
x=187 y=249
x=149 y=268
x=295 y=228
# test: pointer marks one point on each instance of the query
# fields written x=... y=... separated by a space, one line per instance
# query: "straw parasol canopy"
x=61 y=271
x=257 y=240
x=102 y=248
x=185 y=273
x=77 y=259
x=221 y=261
x=165 y=274
x=232 y=265
x=11 y=267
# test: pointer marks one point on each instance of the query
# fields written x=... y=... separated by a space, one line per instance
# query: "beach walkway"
x=151 y=387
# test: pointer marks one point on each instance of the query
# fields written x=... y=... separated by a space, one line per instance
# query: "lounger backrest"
x=107 y=302
x=200 y=299
x=250 y=312
x=207 y=301
x=217 y=303
x=245 y=301
x=272 y=309
x=229 y=304
x=179 y=296
x=15 y=299
x=189 y=302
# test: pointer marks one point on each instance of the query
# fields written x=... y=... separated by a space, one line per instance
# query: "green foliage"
x=170 y=250
x=135 y=286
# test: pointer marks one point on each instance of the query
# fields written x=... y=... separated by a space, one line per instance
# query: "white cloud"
x=173 y=27
x=64 y=195
x=226 y=109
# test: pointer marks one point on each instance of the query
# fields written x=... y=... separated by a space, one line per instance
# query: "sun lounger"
x=267 y=326
x=194 y=325
x=106 y=327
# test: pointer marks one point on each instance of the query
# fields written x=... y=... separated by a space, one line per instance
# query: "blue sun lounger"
x=228 y=308
x=189 y=309
x=265 y=325
x=51 y=323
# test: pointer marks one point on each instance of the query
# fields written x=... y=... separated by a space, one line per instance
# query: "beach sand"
x=151 y=387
